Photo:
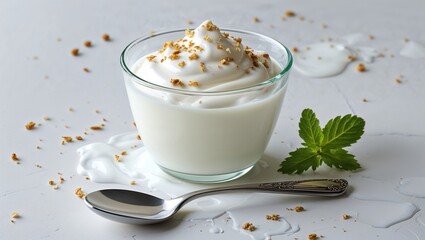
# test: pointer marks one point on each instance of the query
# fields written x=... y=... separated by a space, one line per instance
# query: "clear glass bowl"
x=214 y=144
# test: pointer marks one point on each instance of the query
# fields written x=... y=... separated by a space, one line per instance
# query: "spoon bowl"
x=140 y=208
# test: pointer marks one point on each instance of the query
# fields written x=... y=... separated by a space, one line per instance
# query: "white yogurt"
x=204 y=133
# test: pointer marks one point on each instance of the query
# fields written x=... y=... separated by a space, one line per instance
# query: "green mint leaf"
x=340 y=158
x=342 y=132
x=299 y=161
x=310 y=130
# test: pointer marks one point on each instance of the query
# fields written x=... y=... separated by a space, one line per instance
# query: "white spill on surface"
x=383 y=214
x=378 y=209
x=413 y=186
x=413 y=49
x=322 y=59
x=332 y=58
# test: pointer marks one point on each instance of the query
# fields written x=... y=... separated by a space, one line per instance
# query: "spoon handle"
x=312 y=187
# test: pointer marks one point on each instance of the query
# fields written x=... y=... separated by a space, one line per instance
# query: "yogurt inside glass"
x=205 y=101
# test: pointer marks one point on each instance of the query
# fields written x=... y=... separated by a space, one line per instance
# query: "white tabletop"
x=40 y=78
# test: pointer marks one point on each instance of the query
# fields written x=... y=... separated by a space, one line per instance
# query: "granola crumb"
x=87 y=178
x=352 y=58
x=398 y=81
x=294 y=49
x=361 y=67
x=56 y=187
x=176 y=82
x=117 y=158
x=290 y=13
x=87 y=43
x=133 y=182
x=312 y=236
x=273 y=217
x=138 y=137
x=106 y=37
x=346 y=216
x=75 y=52
x=203 y=67
x=79 y=192
x=256 y=20
x=79 y=138
x=193 y=83
x=67 y=139
x=97 y=111
x=248 y=226
x=46 y=118
x=123 y=153
x=30 y=125
x=14 y=216
x=15 y=157
x=296 y=209
x=96 y=127
x=182 y=64
x=51 y=182
x=86 y=70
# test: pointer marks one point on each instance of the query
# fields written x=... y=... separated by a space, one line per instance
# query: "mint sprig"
x=324 y=145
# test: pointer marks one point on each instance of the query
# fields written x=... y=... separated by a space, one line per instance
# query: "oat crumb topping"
x=30 y=125
x=106 y=37
x=96 y=127
x=67 y=139
x=75 y=52
x=15 y=157
x=273 y=217
x=290 y=13
x=361 y=67
x=182 y=64
x=203 y=67
x=79 y=192
x=79 y=138
x=193 y=83
x=312 y=236
x=176 y=82
x=248 y=226
x=87 y=43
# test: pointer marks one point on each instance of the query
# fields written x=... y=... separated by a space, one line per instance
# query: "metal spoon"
x=140 y=208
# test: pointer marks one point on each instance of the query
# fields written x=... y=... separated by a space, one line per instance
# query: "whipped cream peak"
x=206 y=59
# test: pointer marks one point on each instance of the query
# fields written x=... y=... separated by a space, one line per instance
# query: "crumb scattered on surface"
x=189 y=22
x=256 y=20
x=67 y=139
x=15 y=157
x=296 y=209
x=133 y=182
x=294 y=49
x=123 y=153
x=14 y=216
x=79 y=192
x=248 y=226
x=30 y=125
x=106 y=37
x=87 y=43
x=361 y=67
x=398 y=81
x=365 y=100
x=290 y=13
x=346 y=216
x=312 y=236
x=75 y=52
x=86 y=69
x=117 y=158
x=371 y=37
x=51 y=182
x=96 y=127
x=138 y=137
x=273 y=217
x=324 y=26
x=79 y=138
x=46 y=118
x=70 y=109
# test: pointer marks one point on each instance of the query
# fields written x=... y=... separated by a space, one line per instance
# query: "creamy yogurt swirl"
x=206 y=59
